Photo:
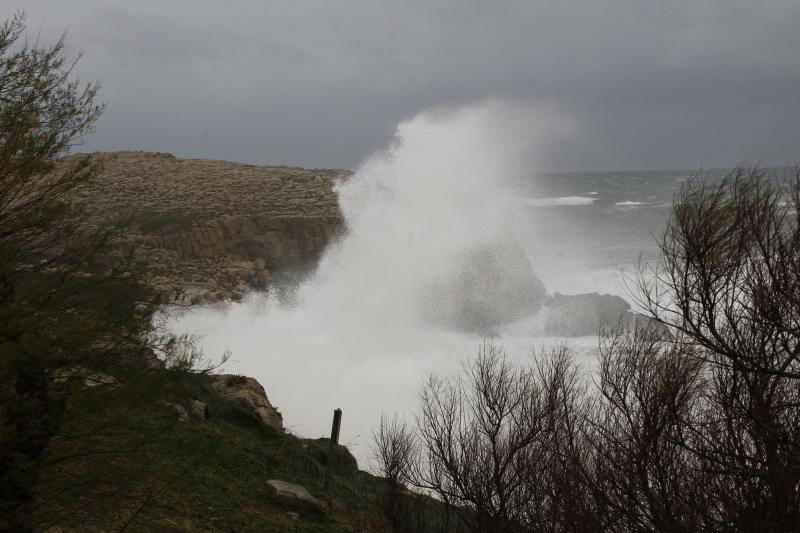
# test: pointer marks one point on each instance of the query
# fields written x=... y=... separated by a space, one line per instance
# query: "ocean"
x=585 y=230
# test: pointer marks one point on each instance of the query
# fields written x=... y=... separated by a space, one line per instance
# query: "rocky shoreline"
x=214 y=230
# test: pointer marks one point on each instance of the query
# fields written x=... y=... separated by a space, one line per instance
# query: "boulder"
x=492 y=285
x=291 y=493
x=249 y=396
x=590 y=314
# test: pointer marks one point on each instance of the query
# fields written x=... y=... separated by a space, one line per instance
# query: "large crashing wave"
x=429 y=251
x=430 y=228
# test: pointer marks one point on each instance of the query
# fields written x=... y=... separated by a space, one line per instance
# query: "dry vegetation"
x=695 y=431
x=204 y=189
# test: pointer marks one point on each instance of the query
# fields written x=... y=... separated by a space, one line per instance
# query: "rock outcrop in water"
x=214 y=229
x=588 y=314
x=495 y=284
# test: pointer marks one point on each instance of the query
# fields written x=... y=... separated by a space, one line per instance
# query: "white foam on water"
x=561 y=201
x=355 y=338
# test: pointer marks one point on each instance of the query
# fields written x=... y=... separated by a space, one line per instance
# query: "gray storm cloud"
x=649 y=84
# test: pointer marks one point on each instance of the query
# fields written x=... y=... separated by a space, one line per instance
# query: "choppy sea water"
x=583 y=231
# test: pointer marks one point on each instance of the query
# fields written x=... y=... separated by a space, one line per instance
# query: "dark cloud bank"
x=667 y=84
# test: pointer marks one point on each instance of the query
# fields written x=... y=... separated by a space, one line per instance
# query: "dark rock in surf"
x=590 y=314
x=494 y=284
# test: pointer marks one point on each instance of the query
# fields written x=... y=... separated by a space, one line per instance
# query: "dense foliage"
x=78 y=369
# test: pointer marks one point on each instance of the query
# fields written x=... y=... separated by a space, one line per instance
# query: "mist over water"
x=358 y=335
x=440 y=190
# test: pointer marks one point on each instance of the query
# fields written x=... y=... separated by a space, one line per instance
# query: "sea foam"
x=354 y=337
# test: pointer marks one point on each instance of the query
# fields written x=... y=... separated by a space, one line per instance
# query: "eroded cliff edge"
x=214 y=229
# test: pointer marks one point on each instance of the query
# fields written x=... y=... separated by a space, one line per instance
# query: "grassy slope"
x=210 y=475
x=226 y=488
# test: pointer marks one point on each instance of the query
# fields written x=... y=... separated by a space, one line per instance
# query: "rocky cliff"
x=214 y=229
x=580 y=315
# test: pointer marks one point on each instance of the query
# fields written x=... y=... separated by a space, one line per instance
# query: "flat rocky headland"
x=214 y=229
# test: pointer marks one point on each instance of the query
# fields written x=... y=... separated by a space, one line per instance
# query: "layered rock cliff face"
x=214 y=229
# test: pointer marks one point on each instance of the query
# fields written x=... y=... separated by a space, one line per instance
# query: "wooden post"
x=337 y=423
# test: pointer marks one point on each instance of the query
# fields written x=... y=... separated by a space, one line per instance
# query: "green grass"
x=211 y=475
x=226 y=488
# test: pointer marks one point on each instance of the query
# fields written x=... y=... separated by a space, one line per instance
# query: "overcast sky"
x=648 y=84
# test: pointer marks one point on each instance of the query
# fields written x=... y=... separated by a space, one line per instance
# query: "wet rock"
x=493 y=285
x=260 y=279
x=591 y=314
